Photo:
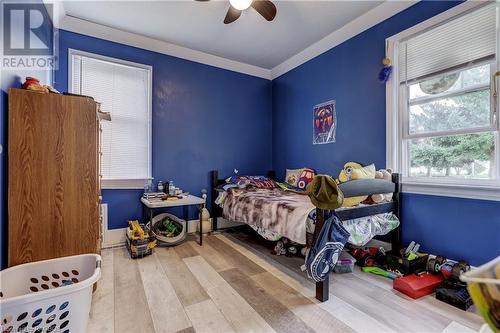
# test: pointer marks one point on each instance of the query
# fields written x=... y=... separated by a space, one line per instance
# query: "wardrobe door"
x=53 y=197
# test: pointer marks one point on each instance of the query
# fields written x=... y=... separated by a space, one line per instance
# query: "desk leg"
x=185 y=212
x=200 y=208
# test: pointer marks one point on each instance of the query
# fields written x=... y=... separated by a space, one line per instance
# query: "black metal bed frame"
x=394 y=237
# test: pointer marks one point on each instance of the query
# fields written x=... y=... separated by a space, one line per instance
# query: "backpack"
x=323 y=256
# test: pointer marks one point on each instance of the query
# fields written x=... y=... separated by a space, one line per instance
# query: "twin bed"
x=289 y=214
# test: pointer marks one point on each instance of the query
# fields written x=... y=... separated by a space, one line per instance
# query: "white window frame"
x=120 y=183
x=396 y=123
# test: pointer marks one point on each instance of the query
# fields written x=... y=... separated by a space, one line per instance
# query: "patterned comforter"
x=283 y=212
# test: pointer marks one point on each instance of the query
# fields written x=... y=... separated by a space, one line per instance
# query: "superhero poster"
x=324 y=123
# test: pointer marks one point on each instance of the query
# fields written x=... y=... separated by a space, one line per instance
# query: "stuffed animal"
x=385 y=174
x=354 y=171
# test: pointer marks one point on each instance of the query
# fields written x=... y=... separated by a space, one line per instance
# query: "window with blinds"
x=124 y=90
x=463 y=41
x=446 y=99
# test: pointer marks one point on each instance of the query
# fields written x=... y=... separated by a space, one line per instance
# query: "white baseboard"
x=116 y=237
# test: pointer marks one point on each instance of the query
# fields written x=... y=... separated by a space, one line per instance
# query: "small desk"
x=185 y=202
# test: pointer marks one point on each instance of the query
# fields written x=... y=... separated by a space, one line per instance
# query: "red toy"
x=418 y=285
x=365 y=257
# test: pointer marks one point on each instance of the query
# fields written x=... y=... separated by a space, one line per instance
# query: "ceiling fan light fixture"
x=240 y=4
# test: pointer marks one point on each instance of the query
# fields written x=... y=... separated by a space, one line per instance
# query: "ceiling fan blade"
x=232 y=15
x=265 y=8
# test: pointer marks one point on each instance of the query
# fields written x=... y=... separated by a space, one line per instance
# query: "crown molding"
x=88 y=28
x=378 y=14
x=364 y=22
x=57 y=13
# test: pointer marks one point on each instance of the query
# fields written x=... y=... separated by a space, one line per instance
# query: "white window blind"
x=124 y=91
x=468 y=38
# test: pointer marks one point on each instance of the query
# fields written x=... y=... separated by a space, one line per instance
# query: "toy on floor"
x=379 y=271
x=449 y=268
x=369 y=256
x=285 y=247
x=453 y=291
x=139 y=242
x=419 y=284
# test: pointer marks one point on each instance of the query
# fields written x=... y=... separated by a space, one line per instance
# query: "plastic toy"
x=379 y=271
x=139 y=242
x=369 y=256
x=418 y=285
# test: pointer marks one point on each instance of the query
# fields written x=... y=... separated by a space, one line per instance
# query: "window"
x=124 y=90
x=442 y=109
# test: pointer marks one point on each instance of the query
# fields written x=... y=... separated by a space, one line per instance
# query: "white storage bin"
x=169 y=241
x=49 y=296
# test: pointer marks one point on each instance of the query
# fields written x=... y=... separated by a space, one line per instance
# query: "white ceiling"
x=198 y=25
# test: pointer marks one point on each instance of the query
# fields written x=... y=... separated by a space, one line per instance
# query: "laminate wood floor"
x=227 y=285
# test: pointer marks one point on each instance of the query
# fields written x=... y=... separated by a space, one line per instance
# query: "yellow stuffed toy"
x=354 y=171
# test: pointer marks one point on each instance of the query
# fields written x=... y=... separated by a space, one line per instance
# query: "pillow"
x=367 y=172
x=299 y=177
x=292 y=176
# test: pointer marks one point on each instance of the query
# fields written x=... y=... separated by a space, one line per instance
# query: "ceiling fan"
x=264 y=7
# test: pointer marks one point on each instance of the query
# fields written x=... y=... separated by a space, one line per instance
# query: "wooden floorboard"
x=233 y=285
x=185 y=250
x=239 y=313
x=166 y=310
x=270 y=308
x=218 y=262
x=186 y=286
x=207 y=318
x=235 y=258
x=102 y=312
x=307 y=310
x=132 y=312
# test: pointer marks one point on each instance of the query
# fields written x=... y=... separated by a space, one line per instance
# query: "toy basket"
x=49 y=296
x=169 y=241
x=483 y=284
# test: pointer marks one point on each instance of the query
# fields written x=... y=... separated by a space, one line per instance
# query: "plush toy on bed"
x=354 y=171
x=385 y=174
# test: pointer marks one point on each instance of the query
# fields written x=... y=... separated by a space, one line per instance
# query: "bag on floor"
x=323 y=255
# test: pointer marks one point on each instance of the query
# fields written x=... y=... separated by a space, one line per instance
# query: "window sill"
x=490 y=191
x=123 y=184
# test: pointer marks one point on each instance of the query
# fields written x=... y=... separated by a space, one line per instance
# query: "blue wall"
x=454 y=227
x=204 y=118
x=13 y=79
x=227 y=120
x=348 y=73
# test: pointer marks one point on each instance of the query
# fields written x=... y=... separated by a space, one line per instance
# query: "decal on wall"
x=324 y=123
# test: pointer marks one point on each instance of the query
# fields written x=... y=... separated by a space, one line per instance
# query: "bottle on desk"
x=161 y=187
x=171 y=188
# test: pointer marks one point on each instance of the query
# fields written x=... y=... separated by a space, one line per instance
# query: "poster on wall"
x=324 y=123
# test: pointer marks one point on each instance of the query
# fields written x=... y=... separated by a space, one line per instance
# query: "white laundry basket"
x=49 y=296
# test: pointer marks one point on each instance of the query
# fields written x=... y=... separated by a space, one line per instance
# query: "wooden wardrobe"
x=54 y=182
